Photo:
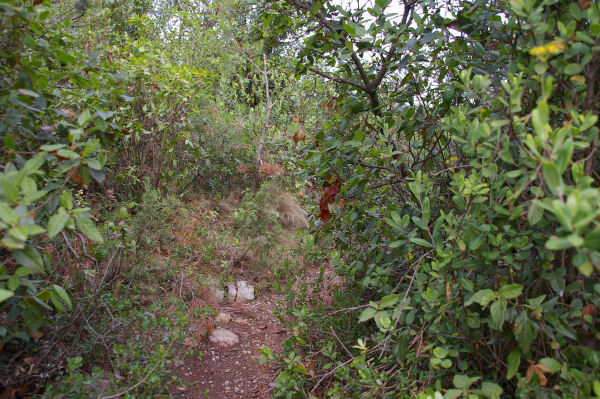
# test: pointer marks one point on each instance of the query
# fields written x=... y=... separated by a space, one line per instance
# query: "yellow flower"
x=409 y=256
x=548 y=50
x=451 y=160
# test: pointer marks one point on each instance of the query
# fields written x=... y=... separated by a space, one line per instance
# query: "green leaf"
x=498 y=313
x=84 y=117
x=57 y=223
x=491 y=390
x=564 y=155
x=535 y=213
x=29 y=257
x=9 y=189
x=60 y=291
x=482 y=297
x=10 y=242
x=69 y=154
x=552 y=364
x=558 y=243
x=389 y=300
x=56 y=301
x=354 y=29
x=419 y=223
x=440 y=352
x=525 y=332
x=52 y=147
x=510 y=291
x=573 y=69
x=5 y=294
x=65 y=57
x=421 y=242
x=13 y=283
x=461 y=381
x=32 y=316
x=34 y=164
x=87 y=227
x=94 y=164
x=105 y=114
x=539 y=119
x=9 y=142
x=367 y=314
x=23 y=271
x=396 y=244
x=453 y=393
x=18 y=233
x=7 y=214
x=514 y=360
x=396 y=218
x=561 y=327
x=552 y=177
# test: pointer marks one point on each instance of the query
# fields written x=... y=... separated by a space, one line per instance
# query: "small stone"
x=223 y=336
x=223 y=318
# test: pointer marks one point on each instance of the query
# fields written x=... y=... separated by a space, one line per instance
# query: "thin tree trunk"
x=261 y=144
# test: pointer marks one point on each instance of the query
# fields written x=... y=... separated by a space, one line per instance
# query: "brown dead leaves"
x=329 y=198
x=539 y=370
x=300 y=135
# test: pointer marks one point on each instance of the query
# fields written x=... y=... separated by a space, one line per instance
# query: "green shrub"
x=470 y=230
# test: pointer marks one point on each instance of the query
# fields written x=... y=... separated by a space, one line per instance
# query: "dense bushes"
x=114 y=114
x=470 y=224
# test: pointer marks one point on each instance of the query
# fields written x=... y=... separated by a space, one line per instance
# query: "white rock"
x=231 y=291
x=241 y=291
x=245 y=291
x=223 y=336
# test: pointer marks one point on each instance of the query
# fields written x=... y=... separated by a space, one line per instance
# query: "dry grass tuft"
x=291 y=215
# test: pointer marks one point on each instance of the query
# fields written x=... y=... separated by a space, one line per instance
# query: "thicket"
x=460 y=192
x=115 y=116
x=449 y=148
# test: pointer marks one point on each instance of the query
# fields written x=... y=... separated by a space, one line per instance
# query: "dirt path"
x=233 y=371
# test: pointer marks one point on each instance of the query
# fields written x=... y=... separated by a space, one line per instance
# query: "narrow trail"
x=222 y=371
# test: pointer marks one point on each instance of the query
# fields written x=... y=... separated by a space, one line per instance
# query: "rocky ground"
x=227 y=364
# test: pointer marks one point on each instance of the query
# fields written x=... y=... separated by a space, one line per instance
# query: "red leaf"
x=324 y=213
x=329 y=198
x=333 y=190
x=589 y=310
